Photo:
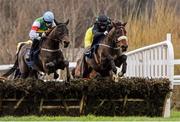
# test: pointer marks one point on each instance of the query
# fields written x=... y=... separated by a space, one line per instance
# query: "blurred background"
x=148 y=20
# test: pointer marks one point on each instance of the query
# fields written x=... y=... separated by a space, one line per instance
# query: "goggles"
x=48 y=23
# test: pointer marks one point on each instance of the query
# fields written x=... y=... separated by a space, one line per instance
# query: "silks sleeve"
x=88 y=38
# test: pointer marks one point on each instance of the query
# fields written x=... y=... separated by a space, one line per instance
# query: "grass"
x=175 y=116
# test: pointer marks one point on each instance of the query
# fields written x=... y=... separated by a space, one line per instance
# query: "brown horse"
x=107 y=56
x=50 y=56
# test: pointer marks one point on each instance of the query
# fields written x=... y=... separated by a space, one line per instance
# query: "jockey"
x=40 y=25
x=100 y=29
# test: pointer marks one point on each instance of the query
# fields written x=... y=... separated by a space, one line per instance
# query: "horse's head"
x=61 y=34
x=118 y=33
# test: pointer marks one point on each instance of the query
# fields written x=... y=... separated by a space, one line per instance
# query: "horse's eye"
x=118 y=32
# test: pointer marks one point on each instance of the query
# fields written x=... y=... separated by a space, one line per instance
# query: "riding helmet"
x=48 y=17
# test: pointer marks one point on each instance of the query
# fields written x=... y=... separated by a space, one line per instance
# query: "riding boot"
x=33 y=48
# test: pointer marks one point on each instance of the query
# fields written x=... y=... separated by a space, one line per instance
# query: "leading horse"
x=108 y=55
x=50 y=56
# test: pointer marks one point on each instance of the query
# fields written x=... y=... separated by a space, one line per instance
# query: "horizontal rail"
x=5 y=67
x=147 y=47
x=177 y=62
x=176 y=80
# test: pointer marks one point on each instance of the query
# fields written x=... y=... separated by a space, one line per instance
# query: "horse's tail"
x=10 y=71
x=15 y=66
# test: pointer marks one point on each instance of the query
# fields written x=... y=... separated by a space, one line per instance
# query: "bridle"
x=123 y=37
x=53 y=50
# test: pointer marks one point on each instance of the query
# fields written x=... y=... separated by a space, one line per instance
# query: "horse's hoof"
x=114 y=78
x=120 y=74
x=66 y=63
x=115 y=70
x=56 y=75
x=50 y=64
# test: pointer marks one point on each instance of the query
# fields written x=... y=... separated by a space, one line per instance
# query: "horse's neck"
x=109 y=41
x=50 y=44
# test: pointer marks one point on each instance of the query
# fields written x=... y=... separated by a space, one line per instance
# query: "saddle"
x=22 y=43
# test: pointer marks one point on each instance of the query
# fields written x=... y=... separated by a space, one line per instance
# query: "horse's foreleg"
x=24 y=75
x=113 y=76
x=112 y=64
x=124 y=65
x=56 y=75
x=33 y=74
x=68 y=75
x=17 y=74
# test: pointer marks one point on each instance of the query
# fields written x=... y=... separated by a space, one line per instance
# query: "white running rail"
x=154 y=61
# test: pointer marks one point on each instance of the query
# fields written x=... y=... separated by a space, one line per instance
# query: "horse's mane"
x=114 y=25
x=50 y=30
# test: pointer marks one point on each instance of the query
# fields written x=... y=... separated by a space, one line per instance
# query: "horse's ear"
x=114 y=24
x=56 y=22
x=124 y=24
x=67 y=22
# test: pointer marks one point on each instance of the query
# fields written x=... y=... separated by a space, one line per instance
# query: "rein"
x=105 y=45
x=117 y=48
x=50 y=50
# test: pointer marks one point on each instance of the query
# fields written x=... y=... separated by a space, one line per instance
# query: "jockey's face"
x=49 y=24
x=102 y=26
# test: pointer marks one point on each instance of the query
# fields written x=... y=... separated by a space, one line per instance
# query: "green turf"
x=175 y=116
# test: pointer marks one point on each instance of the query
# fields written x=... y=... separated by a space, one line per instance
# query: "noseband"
x=123 y=36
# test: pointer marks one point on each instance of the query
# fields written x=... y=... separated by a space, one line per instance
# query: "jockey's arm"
x=33 y=34
x=54 y=24
x=95 y=30
x=88 y=38
x=49 y=29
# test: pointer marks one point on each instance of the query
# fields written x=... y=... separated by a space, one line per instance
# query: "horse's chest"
x=53 y=56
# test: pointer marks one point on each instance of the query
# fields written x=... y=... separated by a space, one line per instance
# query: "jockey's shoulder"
x=40 y=19
x=90 y=28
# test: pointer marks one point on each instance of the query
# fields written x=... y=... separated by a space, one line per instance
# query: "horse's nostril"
x=66 y=44
x=124 y=47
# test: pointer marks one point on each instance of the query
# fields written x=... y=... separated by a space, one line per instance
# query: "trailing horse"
x=50 y=57
x=107 y=56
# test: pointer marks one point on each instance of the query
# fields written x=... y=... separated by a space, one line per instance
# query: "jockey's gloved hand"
x=105 y=33
x=38 y=38
x=43 y=34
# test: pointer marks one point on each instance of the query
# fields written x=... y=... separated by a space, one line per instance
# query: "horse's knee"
x=50 y=65
x=66 y=63
x=24 y=75
x=124 y=67
x=56 y=75
x=114 y=70
x=123 y=57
